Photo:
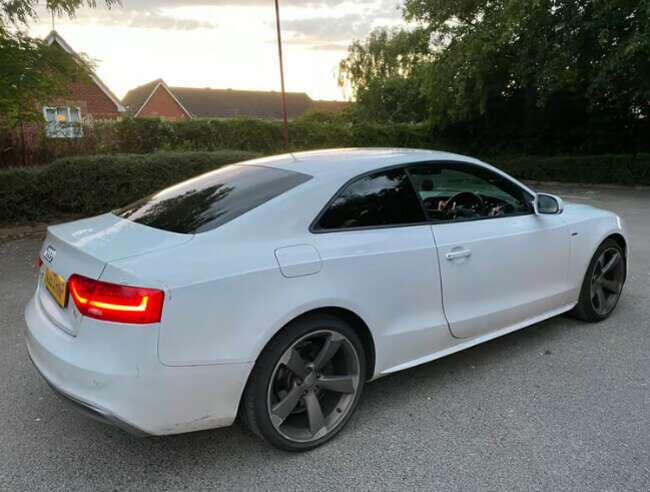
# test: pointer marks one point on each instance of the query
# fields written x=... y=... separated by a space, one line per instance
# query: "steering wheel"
x=465 y=198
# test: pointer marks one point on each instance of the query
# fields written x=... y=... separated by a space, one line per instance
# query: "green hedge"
x=621 y=169
x=141 y=136
x=96 y=184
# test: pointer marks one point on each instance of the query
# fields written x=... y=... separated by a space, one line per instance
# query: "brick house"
x=85 y=101
x=158 y=100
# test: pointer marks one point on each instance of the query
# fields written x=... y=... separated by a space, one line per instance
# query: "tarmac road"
x=561 y=405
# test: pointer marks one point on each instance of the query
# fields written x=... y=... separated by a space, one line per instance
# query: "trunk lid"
x=85 y=247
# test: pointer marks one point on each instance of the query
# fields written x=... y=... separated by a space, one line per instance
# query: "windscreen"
x=208 y=201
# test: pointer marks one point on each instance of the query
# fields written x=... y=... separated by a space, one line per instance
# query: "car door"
x=501 y=264
x=377 y=251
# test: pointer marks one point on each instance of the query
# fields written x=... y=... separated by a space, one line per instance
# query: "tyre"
x=603 y=283
x=306 y=384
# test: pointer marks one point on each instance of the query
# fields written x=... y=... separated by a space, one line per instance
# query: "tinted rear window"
x=210 y=200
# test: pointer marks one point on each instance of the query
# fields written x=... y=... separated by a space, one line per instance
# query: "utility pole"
x=284 y=95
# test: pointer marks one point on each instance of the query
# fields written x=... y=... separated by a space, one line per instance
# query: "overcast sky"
x=222 y=43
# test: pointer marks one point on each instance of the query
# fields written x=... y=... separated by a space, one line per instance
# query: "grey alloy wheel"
x=313 y=386
x=607 y=281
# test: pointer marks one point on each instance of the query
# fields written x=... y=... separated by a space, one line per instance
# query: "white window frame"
x=54 y=129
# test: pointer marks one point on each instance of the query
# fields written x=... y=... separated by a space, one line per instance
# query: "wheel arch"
x=618 y=237
x=620 y=240
x=350 y=317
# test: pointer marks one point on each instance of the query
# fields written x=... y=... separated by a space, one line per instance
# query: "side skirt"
x=476 y=341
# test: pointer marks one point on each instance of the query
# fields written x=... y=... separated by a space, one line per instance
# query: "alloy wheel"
x=313 y=386
x=607 y=281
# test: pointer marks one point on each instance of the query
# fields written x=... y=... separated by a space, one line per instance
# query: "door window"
x=384 y=198
x=459 y=191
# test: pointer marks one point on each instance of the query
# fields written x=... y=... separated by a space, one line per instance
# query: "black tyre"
x=603 y=283
x=306 y=384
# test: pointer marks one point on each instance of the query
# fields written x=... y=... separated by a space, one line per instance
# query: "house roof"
x=55 y=37
x=228 y=103
x=334 y=106
x=135 y=98
x=224 y=103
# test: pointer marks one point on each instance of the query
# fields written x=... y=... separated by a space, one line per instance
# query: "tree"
x=21 y=12
x=535 y=50
x=32 y=72
x=565 y=72
x=384 y=74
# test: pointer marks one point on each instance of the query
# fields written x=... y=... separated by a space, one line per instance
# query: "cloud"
x=151 y=20
x=126 y=17
x=324 y=32
x=328 y=29
x=149 y=4
x=335 y=33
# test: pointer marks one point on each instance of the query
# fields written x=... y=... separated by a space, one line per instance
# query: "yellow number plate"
x=55 y=283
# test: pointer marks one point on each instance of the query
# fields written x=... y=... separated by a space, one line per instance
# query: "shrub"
x=145 y=135
x=620 y=169
x=96 y=184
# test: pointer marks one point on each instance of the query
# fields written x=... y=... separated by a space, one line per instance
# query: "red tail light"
x=113 y=302
x=39 y=261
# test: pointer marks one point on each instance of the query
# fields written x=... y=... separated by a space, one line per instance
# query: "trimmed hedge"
x=142 y=136
x=96 y=184
x=314 y=131
x=621 y=169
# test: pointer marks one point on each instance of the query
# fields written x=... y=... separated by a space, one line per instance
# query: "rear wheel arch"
x=351 y=318
x=359 y=326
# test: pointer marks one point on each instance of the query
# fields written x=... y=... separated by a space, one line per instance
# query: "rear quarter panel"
x=226 y=296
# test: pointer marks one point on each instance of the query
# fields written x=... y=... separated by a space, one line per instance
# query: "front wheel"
x=603 y=283
x=306 y=384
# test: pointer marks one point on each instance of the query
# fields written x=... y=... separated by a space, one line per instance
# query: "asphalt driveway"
x=561 y=405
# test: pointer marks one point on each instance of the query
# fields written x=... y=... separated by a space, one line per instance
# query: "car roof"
x=347 y=163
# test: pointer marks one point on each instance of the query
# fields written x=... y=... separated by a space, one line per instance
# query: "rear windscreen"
x=210 y=200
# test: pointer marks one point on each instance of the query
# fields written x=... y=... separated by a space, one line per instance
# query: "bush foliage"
x=97 y=184
x=618 y=169
x=141 y=136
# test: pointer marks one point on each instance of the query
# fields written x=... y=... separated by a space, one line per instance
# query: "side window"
x=380 y=199
x=457 y=191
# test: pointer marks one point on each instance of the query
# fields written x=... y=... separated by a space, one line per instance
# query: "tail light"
x=113 y=302
x=39 y=261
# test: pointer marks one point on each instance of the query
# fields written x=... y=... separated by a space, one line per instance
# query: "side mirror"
x=546 y=204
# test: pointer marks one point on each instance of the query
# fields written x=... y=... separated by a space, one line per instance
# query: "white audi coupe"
x=274 y=289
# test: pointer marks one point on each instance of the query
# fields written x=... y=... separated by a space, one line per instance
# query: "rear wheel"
x=603 y=283
x=306 y=384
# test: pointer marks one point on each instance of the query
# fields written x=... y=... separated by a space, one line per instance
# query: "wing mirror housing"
x=546 y=204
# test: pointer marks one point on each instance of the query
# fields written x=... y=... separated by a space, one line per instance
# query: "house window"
x=63 y=122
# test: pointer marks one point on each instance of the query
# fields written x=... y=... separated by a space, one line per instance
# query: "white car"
x=276 y=288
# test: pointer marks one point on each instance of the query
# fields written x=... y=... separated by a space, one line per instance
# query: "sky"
x=222 y=43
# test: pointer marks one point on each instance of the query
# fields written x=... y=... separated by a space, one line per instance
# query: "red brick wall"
x=91 y=100
x=162 y=105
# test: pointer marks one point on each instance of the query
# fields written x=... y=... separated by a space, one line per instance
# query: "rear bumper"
x=112 y=374
x=90 y=411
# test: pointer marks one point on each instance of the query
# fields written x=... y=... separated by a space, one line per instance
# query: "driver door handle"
x=458 y=253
